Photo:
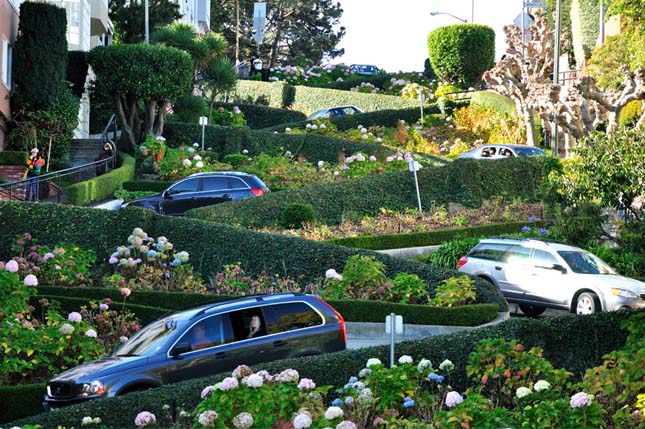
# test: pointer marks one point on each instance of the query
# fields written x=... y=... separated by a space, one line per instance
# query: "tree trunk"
x=151 y=107
x=529 y=123
x=127 y=124
x=159 y=119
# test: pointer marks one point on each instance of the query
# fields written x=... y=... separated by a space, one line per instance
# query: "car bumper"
x=616 y=303
x=50 y=404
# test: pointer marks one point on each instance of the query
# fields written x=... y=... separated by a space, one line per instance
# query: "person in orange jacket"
x=34 y=167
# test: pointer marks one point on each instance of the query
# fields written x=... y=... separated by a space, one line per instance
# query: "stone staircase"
x=12 y=173
x=83 y=151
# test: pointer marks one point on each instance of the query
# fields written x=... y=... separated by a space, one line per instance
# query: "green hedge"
x=146 y=185
x=585 y=26
x=572 y=342
x=310 y=99
x=17 y=402
x=149 y=305
x=10 y=157
x=428 y=238
x=377 y=80
x=103 y=186
x=493 y=100
x=210 y=246
x=468 y=182
x=388 y=118
x=258 y=117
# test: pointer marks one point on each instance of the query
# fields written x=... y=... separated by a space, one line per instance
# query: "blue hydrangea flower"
x=435 y=377
x=349 y=400
x=352 y=380
x=151 y=254
x=532 y=219
x=336 y=402
x=526 y=228
x=175 y=262
x=408 y=402
x=542 y=231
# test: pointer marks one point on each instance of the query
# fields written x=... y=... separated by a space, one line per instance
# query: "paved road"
x=516 y=312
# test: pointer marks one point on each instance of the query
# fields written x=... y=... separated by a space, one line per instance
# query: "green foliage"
x=444 y=89
x=39 y=56
x=629 y=264
x=362 y=273
x=296 y=214
x=103 y=186
x=309 y=99
x=461 y=53
x=20 y=401
x=9 y=157
x=428 y=238
x=407 y=288
x=454 y=291
x=493 y=100
x=575 y=343
x=288 y=96
x=585 y=25
x=218 y=244
x=630 y=113
x=456 y=182
x=349 y=83
x=77 y=71
x=188 y=108
x=128 y=18
x=122 y=194
x=227 y=118
x=449 y=253
x=258 y=117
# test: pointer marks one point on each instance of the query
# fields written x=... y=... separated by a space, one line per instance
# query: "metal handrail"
x=76 y=174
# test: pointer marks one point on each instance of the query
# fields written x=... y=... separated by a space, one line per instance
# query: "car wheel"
x=531 y=310
x=587 y=303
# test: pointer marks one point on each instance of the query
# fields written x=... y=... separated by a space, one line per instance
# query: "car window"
x=248 y=323
x=213 y=331
x=585 y=263
x=544 y=259
x=349 y=111
x=148 y=340
x=529 y=151
x=491 y=251
x=235 y=183
x=216 y=183
x=517 y=254
x=189 y=185
x=290 y=316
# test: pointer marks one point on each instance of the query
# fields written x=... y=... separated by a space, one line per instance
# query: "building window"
x=6 y=63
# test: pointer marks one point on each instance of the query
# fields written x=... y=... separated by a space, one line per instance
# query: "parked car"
x=364 y=69
x=537 y=274
x=202 y=189
x=205 y=340
x=498 y=151
x=334 y=111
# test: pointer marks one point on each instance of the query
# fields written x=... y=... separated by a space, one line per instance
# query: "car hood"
x=152 y=199
x=100 y=368
x=618 y=281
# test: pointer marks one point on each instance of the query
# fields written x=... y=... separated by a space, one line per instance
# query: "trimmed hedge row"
x=146 y=185
x=428 y=238
x=10 y=157
x=493 y=100
x=388 y=118
x=258 y=117
x=347 y=84
x=210 y=246
x=310 y=99
x=151 y=304
x=20 y=401
x=572 y=342
x=468 y=182
x=102 y=186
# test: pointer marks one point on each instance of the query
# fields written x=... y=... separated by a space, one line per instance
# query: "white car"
x=537 y=274
x=499 y=151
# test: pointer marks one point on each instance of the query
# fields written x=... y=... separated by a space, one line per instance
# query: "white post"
x=421 y=104
x=147 y=23
x=202 y=121
x=392 y=337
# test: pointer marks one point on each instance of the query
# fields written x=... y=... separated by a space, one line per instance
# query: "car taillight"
x=257 y=191
x=462 y=261
x=343 y=328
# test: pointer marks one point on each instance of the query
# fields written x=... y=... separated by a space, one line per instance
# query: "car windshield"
x=148 y=340
x=529 y=151
x=585 y=263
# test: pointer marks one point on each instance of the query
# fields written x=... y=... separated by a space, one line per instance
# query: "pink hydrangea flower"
x=580 y=399
x=125 y=291
x=346 y=424
x=302 y=420
x=332 y=274
x=47 y=256
x=90 y=333
x=207 y=391
x=103 y=307
x=207 y=418
x=145 y=418
x=229 y=383
x=453 y=398
x=243 y=421
x=288 y=375
x=75 y=317
x=31 y=280
x=255 y=381
x=306 y=384
x=11 y=266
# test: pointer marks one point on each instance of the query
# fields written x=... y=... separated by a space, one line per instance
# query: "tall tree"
x=150 y=74
x=128 y=18
x=296 y=30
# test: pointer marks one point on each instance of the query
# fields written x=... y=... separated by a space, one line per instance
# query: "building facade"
x=196 y=13
x=9 y=13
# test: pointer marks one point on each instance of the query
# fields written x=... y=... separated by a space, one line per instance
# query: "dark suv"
x=202 y=189
x=203 y=341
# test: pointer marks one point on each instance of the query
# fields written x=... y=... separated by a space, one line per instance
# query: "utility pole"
x=472 y=11
x=556 y=75
x=147 y=23
x=237 y=31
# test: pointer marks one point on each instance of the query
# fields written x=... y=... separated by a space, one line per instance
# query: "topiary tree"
x=461 y=53
x=585 y=26
x=149 y=74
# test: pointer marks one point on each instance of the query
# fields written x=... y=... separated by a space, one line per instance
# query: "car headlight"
x=624 y=293
x=94 y=388
x=124 y=205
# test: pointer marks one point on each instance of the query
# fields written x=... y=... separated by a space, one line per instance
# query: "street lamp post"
x=556 y=75
x=146 y=23
x=449 y=14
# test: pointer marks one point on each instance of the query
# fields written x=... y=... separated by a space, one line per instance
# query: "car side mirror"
x=180 y=348
x=560 y=268
x=166 y=194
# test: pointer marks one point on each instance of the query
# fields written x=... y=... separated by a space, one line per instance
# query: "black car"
x=202 y=189
x=206 y=340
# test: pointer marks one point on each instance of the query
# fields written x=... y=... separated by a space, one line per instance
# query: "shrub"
x=492 y=100
x=444 y=89
x=295 y=215
x=20 y=401
x=454 y=291
x=630 y=114
x=584 y=27
x=103 y=186
x=10 y=157
x=449 y=253
x=258 y=117
x=461 y=53
x=188 y=108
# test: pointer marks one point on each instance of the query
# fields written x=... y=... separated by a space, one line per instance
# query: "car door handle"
x=279 y=343
x=221 y=355
x=498 y=268
x=226 y=196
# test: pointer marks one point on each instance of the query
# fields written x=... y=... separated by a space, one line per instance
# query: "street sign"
x=535 y=4
x=258 y=36
x=259 y=16
x=528 y=21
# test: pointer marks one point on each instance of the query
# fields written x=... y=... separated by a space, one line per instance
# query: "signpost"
x=393 y=326
x=203 y=120
x=259 y=19
x=414 y=166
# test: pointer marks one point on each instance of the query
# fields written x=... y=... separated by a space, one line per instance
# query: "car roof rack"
x=546 y=240
x=241 y=300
